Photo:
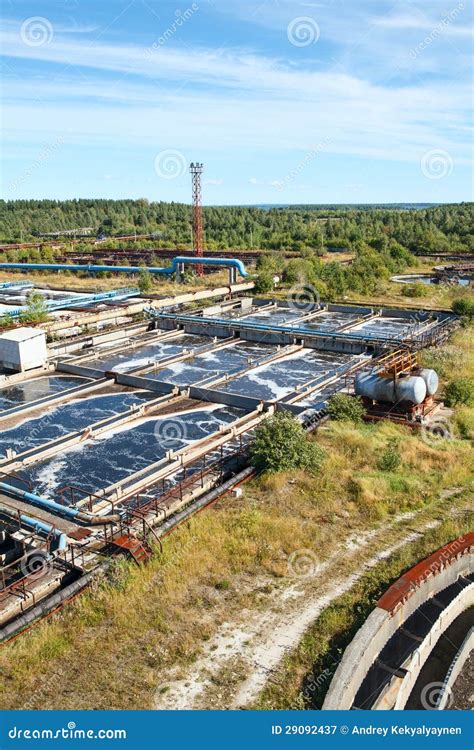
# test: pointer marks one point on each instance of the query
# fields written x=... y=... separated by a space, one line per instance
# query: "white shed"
x=23 y=349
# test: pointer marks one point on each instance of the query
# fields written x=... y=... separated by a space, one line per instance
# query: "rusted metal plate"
x=407 y=584
x=79 y=534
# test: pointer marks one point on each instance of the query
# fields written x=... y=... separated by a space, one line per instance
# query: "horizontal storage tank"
x=431 y=380
x=411 y=389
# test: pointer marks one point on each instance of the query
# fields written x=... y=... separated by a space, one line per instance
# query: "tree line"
x=441 y=228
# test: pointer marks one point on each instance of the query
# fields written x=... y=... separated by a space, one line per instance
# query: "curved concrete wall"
x=455 y=669
x=401 y=600
x=462 y=602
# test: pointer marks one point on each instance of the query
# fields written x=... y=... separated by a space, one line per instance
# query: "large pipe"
x=16 y=285
x=51 y=602
x=50 y=505
x=226 y=262
x=39 y=526
x=79 y=301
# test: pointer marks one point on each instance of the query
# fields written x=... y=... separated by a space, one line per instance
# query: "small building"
x=23 y=349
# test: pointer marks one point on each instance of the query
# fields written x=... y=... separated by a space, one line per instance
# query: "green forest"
x=440 y=228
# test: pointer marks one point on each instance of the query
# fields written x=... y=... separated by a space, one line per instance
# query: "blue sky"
x=284 y=101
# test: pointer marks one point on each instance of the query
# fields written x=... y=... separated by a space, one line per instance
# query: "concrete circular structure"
x=413 y=645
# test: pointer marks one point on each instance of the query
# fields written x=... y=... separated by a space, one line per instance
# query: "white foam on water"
x=164 y=418
x=131 y=363
x=277 y=390
x=177 y=367
x=210 y=357
x=48 y=475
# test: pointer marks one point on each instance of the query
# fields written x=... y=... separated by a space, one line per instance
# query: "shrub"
x=390 y=459
x=460 y=391
x=36 y=309
x=264 y=282
x=344 y=407
x=145 y=281
x=464 y=307
x=415 y=290
x=281 y=444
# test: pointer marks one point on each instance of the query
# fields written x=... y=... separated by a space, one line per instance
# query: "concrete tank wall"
x=377 y=630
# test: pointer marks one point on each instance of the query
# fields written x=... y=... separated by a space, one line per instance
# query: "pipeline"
x=205 y=500
x=84 y=299
x=16 y=285
x=61 y=597
x=181 y=259
x=51 y=603
x=73 y=514
x=39 y=526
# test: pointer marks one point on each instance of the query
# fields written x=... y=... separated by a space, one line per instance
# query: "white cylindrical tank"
x=411 y=389
x=431 y=380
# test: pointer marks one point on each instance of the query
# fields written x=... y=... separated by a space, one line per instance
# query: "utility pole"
x=198 y=242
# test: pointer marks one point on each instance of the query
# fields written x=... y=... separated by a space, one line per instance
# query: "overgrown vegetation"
x=391 y=458
x=117 y=643
x=341 y=406
x=454 y=363
x=303 y=680
x=435 y=229
x=145 y=281
x=281 y=444
x=464 y=307
x=460 y=391
x=35 y=310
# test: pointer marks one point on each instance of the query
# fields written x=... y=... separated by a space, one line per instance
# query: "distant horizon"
x=248 y=205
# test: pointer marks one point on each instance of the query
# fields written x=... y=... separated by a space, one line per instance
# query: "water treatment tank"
x=411 y=389
x=431 y=380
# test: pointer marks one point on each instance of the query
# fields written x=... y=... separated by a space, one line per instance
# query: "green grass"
x=117 y=642
x=303 y=679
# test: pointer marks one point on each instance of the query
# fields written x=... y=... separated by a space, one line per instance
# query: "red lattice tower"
x=198 y=242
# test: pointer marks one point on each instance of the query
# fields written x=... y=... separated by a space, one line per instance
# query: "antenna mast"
x=198 y=242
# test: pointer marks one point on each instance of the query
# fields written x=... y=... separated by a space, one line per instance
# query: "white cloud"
x=449 y=21
x=233 y=99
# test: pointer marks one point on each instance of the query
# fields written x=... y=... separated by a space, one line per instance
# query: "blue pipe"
x=85 y=299
x=61 y=539
x=43 y=502
x=226 y=262
x=16 y=285
x=39 y=526
x=63 y=510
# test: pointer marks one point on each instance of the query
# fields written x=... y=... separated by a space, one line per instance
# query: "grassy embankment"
x=115 y=644
x=305 y=675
